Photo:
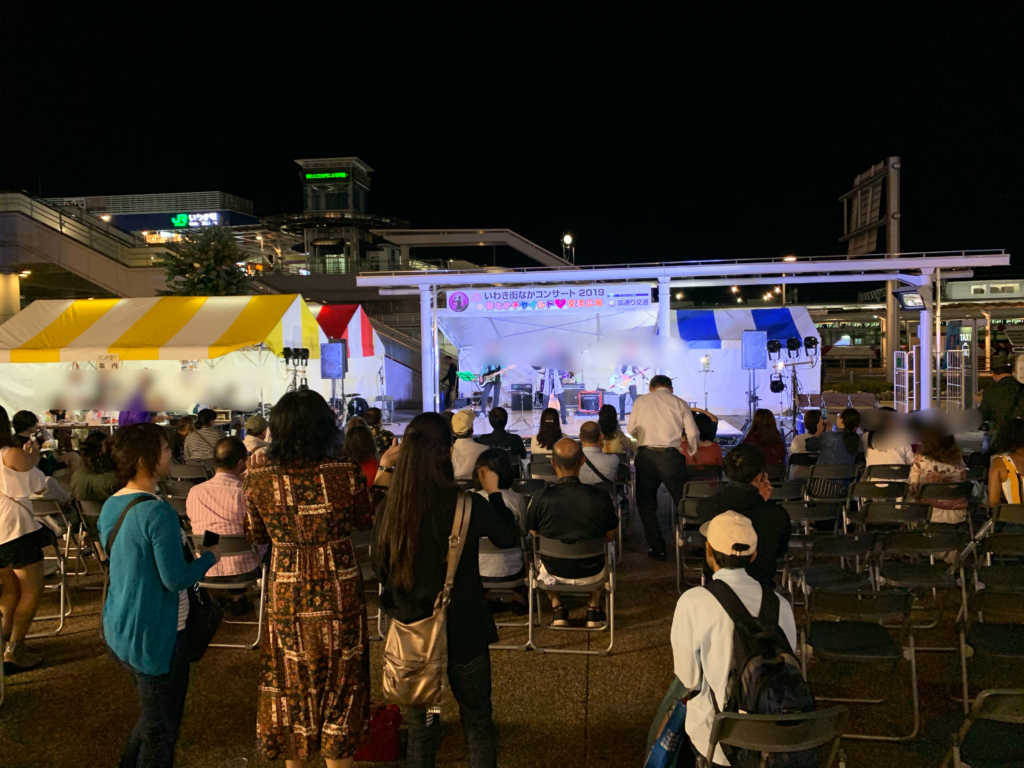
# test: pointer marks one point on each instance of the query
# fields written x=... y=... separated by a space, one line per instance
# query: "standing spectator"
x=1002 y=401
x=939 y=461
x=256 y=427
x=887 y=444
x=572 y=511
x=709 y=453
x=500 y=438
x=749 y=493
x=702 y=632
x=145 y=617
x=185 y=427
x=448 y=382
x=219 y=506
x=382 y=437
x=315 y=667
x=97 y=479
x=764 y=433
x=549 y=433
x=657 y=421
x=507 y=564
x=360 y=447
x=409 y=557
x=615 y=441
x=200 y=443
x=596 y=460
x=466 y=449
x=814 y=425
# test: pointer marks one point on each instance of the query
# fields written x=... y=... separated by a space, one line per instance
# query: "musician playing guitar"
x=551 y=386
x=490 y=381
x=623 y=382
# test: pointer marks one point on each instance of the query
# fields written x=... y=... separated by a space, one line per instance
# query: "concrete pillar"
x=664 y=311
x=988 y=340
x=925 y=360
x=428 y=350
x=10 y=295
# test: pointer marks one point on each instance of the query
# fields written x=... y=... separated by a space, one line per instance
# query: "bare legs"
x=22 y=589
x=348 y=762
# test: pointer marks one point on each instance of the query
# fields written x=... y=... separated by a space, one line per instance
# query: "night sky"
x=651 y=137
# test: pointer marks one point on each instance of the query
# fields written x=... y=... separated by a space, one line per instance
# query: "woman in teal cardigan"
x=145 y=615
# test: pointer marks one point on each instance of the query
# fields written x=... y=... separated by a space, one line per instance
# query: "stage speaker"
x=334 y=360
x=461 y=402
x=590 y=402
x=572 y=394
x=755 y=350
x=522 y=401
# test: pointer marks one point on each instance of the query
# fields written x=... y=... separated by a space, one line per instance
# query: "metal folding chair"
x=687 y=536
x=800 y=465
x=529 y=487
x=993 y=733
x=993 y=628
x=772 y=734
x=837 y=473
x=362 y=545
x=932 y=492
x=851 y=630
x=193 y=472
x=837 y=576
x=886 y=514
x=803 y=515
x=510 y=585
x=1002 y=571
x=899 y=472
x=776 y=472
x=704 y=472
x=542 y=470
x=865 y=491
x=787 y=491
x=51 y=514
x=237 y=545
x=574 y=551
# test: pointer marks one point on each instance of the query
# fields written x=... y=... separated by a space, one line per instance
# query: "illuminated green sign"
x=195 y=219
x=331 y=175
x=181 y=220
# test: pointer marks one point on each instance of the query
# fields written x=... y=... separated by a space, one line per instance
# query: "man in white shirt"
x=466 y=450
x=658 y=422
x=595 y=459
x=702 y=632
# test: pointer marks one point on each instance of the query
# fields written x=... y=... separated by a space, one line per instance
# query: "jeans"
x=471 y=685
x=488 y=389
x=654 y=467
x=161 y=701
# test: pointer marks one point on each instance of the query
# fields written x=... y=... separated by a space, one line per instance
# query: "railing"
x=955 y=380
x=344 y=265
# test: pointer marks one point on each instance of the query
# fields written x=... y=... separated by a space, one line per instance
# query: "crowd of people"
x=297 y=487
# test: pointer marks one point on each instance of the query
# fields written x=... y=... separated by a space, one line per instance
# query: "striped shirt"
x=219 y=506
x=200 y=444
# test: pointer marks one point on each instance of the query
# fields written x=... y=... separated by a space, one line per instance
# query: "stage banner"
x=549 y=299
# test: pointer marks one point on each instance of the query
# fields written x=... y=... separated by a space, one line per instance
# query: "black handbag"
x=204 y=617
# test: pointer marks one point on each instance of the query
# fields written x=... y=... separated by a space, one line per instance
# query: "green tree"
x=206 y=264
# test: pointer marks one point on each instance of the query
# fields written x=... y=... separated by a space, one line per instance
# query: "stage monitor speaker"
x=755 y=350
x=590 y=402
x=522 y=401
x=461 y=402
x=572 y=394
x=334 y=360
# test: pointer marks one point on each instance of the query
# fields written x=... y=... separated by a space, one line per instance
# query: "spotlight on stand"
x=811 y=345
x=304 y=355
x=705 y=363
x=287 y=355
x=793 y=345
x=776 y=384
x=774 y=346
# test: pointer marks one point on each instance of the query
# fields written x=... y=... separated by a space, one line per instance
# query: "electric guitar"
x=620 y=382
x=489 y=377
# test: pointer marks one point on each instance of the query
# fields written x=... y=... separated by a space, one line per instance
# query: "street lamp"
x=568 y=249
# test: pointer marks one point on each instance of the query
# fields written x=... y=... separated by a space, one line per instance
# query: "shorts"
x=25 y=550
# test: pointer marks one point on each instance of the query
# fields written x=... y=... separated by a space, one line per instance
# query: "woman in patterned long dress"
x=315 y=666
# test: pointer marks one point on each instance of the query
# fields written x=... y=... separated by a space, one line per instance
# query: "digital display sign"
x=542 y=298
x=328 y=175
x=195 y=219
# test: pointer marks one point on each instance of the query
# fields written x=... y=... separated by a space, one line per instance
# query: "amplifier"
x=591 y=402
x=522 y=387
x=522 y=401
x=572 y=394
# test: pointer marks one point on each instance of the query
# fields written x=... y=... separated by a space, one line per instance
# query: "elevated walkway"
x=445 y=238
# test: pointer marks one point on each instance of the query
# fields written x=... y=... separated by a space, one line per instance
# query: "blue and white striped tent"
x=703 y=331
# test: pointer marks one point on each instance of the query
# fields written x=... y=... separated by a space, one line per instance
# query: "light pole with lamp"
x=568 y=248
x=705 y=363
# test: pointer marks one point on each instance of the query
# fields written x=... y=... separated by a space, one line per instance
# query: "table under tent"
x=175 y=348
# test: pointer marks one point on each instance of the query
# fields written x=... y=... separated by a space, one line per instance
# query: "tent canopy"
x=349 y=322
x=165 y=328
x=708 y=328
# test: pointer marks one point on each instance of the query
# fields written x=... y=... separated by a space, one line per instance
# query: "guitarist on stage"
x=551 y=383
x=623 y=382
x=490 y=381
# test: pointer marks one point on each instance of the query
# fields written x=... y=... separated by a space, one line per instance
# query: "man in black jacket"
x=499 y=438
x=748 y=492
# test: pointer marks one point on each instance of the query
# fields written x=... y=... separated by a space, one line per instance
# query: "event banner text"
x=549 y=298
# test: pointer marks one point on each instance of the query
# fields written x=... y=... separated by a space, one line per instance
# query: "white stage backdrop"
x=594 y=343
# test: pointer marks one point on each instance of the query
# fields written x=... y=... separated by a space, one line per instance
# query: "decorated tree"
x=206 y=264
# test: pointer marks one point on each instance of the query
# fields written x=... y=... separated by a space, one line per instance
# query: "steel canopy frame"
x=911 y=268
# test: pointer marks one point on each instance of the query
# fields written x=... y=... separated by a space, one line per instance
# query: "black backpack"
x=764 y=677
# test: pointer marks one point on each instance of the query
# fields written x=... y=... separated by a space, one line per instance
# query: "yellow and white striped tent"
x=165 y=328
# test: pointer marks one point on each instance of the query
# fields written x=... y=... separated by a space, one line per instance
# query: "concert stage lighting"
x=774 y=346
x=811 y=345
x=793 y=344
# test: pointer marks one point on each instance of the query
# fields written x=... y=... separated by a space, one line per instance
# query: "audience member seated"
x=1005 y=479
x=702 y=632
x=27 y=428
x=887 y=443
x=572 y=511
x=598 y=466
x=939 y=461
x=200 y=443
x=218 y=505
x=748 y=493
x=814 y=425
x=709 y=453
x=841 y=446
x=382 y=438
x=615 y=440
x=507 y=564
x=97 y=479
x=549 y=433
x=500 y=438
x=184 y=427
x=764 y=433
x=361 y=448
x=256 y=428
x=466 y=449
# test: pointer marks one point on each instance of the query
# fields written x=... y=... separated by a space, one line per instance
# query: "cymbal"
x=355 y=394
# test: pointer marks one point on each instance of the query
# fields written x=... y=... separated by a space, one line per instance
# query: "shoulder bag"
x=204 y=615
x=416 y=654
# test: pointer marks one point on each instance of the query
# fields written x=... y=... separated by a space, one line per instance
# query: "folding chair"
x=992 y=734
x=529 y=487
x=194 y=472
x=857 y=635
x=509 y=584
x=542 y=470
x=932 y=492
x=177 y=487
x=834 y=472
x=702 y=489
x=800 y=465
x=704 y=472
x=887 y=472
x=362 y=542
x=1001 y=577
x=687 y=536
x=236 y=545
x=625 y=476
x=804 y=514
x=787 y=491
x=206 y=464
x=871 y=490
x=1001 y=640
x=771 y=734
x=837 y=577
x=50 y=513
x=574 y=551
x=886 y=514
x=776 y=472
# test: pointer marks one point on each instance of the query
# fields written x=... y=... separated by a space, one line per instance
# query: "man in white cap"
x=702 y=632
x=466 y=450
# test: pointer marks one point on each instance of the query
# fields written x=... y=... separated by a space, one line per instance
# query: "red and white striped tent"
x=365 y=349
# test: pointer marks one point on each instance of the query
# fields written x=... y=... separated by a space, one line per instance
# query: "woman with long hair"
x=887 y=443
x=97 y=479
x=362 y=449
x=409 y=557
x=315 y=666
x=615 y=440
x=764 y=433
x=549 y=433
x=841 y=446
x=939 y=461
x=145 y=617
